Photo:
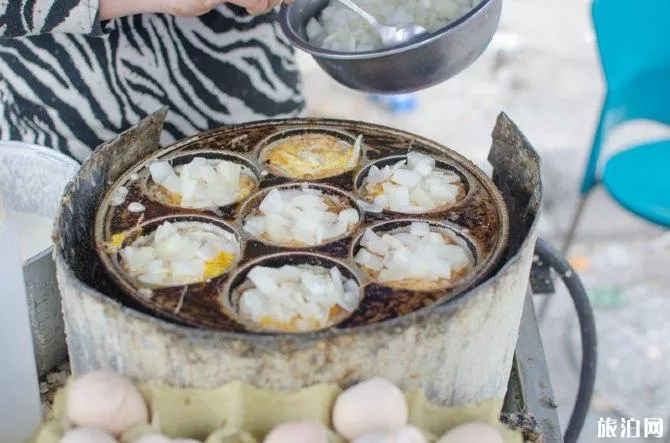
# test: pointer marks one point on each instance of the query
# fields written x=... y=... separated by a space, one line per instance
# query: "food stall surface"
x=518 y=179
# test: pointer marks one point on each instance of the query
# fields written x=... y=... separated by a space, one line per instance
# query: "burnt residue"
x=480 y=214
x=381 y=303
x=195 y=305
x=338 y=248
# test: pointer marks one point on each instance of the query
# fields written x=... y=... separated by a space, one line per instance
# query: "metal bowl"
x=416 y=65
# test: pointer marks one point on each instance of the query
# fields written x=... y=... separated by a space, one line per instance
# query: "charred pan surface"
x=479 y=214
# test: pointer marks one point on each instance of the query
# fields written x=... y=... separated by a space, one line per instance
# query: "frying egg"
x=406 y=434
x=87 y=435
x=371 y=406
x=298 y=431
x=106 y=401
x=312 y=156
x=472 y=432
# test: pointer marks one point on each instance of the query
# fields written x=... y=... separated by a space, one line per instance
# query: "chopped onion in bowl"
x=413 y=185
x=340 y=29
x=203 y=182
x=297 y=298
x=303 y=216
x=417 y=259
x=180 y=253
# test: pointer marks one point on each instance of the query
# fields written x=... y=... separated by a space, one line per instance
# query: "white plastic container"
x=32 y=179
x=20 y=411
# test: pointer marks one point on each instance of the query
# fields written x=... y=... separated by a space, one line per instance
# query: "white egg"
x=153 y=438
x=469 y=432
x=106 y=401
x=373 y=405
x=406 y=434
x=298 y=431
x=160 y=438
x=87 y=435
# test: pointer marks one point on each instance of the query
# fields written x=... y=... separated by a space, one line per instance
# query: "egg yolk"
x=218 y=265
x=246 y=186
x=117 y=240
x=374 y=189
x=299 y=323
x=173 y=199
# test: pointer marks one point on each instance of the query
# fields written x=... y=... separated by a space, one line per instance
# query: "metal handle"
x=365 y=15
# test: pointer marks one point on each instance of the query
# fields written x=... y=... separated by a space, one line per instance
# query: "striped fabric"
x=69 y=83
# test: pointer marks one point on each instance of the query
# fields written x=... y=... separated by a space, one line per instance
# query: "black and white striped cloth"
x=69 y=82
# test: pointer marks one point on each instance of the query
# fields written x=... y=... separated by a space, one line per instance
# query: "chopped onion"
x=356 y=152
x=417 y=254
x=203 y=183
x=119 y=196
x=136 y=207
x=180 y=253
x=340 y=29
x=297 y=298
x=413 y=185
x=301 y=216
x=369 y=207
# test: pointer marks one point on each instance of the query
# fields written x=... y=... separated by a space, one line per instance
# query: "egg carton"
x=240 y=413
x=478 y=220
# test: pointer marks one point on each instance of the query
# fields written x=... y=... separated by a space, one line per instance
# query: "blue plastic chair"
x=634 y=44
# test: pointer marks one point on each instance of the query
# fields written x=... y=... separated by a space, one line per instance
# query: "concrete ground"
x=542 y=70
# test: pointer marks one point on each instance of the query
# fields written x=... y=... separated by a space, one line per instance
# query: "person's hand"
x=110 y=9
x=199 y=7
x=258 y=6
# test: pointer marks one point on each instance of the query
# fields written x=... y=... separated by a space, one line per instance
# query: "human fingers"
x=189 y=7
x=250 y=4
x=260 y=9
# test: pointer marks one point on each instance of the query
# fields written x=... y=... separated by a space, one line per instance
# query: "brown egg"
x=472 y=432
x=87 y=435
x=298 y=431
x=106 y=401
x=406 y=434
x=371 y=406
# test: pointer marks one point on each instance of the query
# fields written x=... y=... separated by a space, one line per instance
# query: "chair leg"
x=567 y=242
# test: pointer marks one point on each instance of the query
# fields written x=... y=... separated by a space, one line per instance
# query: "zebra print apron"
x=70 y=83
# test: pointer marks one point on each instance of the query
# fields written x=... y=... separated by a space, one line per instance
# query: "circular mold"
x=481 y=216
x=251 y=208
x=249 y=180
x=308 y=153
x=463 y=192
x=221 y=261
x=450 y=233
x=238 y=283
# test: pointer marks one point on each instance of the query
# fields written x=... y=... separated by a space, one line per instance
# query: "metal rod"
x=567 y=242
